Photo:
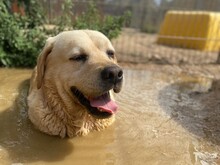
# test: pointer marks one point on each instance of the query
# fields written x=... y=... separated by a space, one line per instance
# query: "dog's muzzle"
x=102 y=106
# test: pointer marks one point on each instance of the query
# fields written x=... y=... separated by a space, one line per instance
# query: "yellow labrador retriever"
x=71 y=87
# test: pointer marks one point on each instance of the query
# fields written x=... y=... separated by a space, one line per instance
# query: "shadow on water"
x=195 y=106
x=23 y=143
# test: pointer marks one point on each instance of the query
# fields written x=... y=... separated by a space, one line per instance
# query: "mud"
x=164 y=118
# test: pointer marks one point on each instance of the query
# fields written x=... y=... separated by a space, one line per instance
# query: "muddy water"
x=163 y=120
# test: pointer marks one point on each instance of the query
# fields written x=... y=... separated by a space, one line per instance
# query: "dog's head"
x=82 y=63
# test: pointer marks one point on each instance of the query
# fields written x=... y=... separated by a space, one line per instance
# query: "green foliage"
x=22 y=37
x=91 y=19
x=64 y=22
x=108 y=25
x=34 y=11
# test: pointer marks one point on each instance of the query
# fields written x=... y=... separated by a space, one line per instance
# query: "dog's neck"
x=69 y=113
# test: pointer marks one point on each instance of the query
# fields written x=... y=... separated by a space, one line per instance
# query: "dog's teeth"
x=100 y=109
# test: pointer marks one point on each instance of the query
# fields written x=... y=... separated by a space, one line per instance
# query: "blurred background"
x=134 y=26
x=137 y=42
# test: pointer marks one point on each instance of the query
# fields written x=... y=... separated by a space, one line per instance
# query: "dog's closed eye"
x=80 y=57
x=110 y=53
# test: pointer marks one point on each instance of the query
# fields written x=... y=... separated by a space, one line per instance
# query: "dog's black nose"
x=112 y=74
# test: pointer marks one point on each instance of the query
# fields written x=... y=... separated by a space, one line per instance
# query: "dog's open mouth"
x=100 y=107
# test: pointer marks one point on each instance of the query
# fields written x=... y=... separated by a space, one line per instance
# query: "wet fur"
x=52 y=107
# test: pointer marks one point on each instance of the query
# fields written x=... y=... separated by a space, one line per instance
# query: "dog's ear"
x=41 y=61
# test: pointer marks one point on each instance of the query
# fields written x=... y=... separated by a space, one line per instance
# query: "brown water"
x=163 y=120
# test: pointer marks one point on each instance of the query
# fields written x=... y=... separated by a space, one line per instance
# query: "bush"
x=91 y=19
x=22 y=37
x=109 y=25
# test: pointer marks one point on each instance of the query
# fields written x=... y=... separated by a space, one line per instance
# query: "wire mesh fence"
x=138 y=41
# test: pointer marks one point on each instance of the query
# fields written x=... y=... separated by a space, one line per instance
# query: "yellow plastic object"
x=191 y=29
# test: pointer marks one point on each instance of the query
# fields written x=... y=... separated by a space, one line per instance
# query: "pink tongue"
x=104 y=103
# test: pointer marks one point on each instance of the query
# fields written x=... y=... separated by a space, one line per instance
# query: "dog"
x=71 y=88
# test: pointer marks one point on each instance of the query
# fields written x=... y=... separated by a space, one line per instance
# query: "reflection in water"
x=163 y=119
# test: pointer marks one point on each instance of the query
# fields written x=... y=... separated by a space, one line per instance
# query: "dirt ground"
x=138 y=50
x=133 y=46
